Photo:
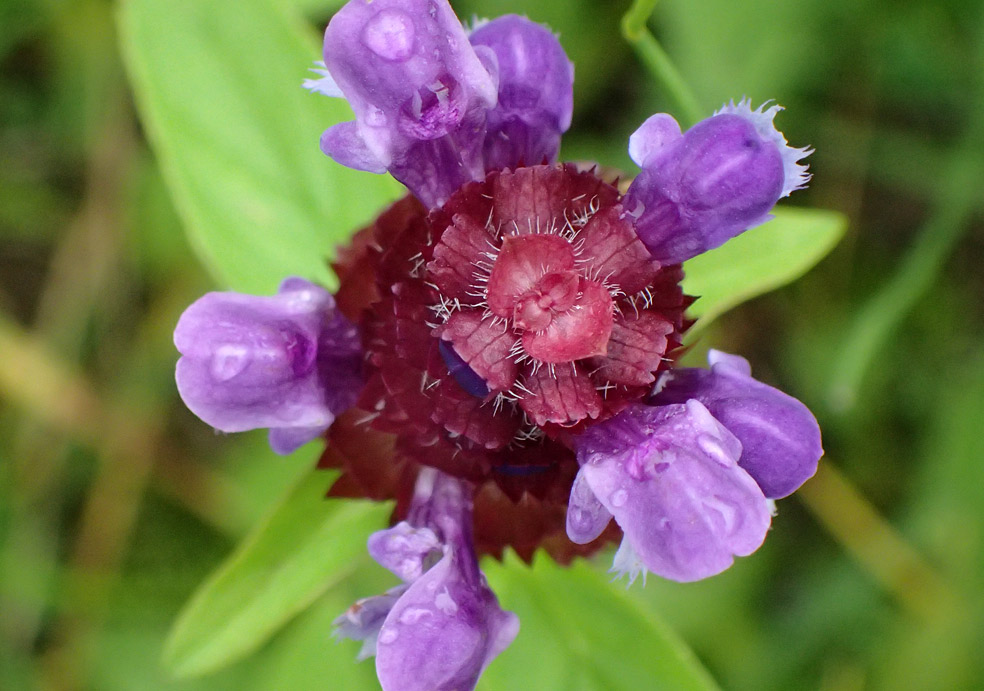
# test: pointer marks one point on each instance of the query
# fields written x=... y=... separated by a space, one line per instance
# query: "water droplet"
x=375 y=117
x=618 y=498
x=388 y=635
x=446 y=603
x=390 y=35
x=411 y=615
x=714 y=449
x=724 y=513
x=228 y=361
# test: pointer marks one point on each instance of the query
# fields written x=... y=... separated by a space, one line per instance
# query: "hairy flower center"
x=545 y=296
x=553 y=294
x=560 y=314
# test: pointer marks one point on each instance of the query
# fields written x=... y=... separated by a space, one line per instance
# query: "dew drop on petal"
x=375 y=117
x=412 y=615
x=228 y=361
x=725 y=512
x=390 y=35
x=388 y=635
x=446 y=603
x=713 y=449
x=618 y=498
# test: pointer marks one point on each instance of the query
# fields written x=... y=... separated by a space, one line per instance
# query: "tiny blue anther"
x=466 y=377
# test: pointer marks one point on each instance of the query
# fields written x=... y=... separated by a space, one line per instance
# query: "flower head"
x=511 y=382
x=701 y=188
x=439 y=630
x=689 y=477
x=289 y=362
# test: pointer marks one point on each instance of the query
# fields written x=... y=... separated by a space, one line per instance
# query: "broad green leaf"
x=218 y=85
x=759 y=260
x=306 y=656
x=579 y=631
x=306 y=546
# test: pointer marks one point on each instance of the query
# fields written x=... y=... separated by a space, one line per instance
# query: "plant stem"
x=636 y=32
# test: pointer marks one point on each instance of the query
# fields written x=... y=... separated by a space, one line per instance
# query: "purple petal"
x=780 y=438
x=362 y=621
x=404 y=550
x=285 y=440
x=795 y=175
x=719 y=179
x=652 y=138
x=447 y=626
x=536 y=92
x=587 y=517
x=670 y=477
x=443 y=631
x=286 y=362
x=411 y=76
x=345 y=145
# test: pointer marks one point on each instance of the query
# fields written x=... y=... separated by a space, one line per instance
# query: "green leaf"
x=218 y=85
x=305 y=547
x=578 y=630
x=759 y=260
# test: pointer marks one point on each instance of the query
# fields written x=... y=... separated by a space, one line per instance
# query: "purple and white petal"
x=411 y=76
x=285 y=440
x=443 y=631
x=722 y=177
x=362 y=621
x=287 y=362
x=343 y=143
x=587 y=517
x=405 y=550
x=670 y=477
x=652 y=138
x=446 y=625
x=796 y=175
x=325 y=84
x=536 y=92
x=780 y=437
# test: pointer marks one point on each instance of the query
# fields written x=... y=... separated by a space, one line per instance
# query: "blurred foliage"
x=116 y=504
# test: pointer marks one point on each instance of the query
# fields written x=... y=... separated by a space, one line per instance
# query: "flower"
x=290 y=362
x=439 y=630
x=689 y=476
x=511 y=379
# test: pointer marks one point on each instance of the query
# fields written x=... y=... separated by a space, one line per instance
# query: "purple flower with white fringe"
x=499 y=357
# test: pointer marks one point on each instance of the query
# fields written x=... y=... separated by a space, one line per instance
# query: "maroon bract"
x=562 y=320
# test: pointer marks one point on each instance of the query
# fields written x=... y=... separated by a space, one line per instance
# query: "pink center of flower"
x=554 y=293
x=560 y=314
x=547 y=295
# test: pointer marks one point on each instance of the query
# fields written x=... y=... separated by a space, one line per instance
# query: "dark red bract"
x=541 y=288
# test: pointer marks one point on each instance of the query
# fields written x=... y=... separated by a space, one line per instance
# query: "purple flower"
x=419 y=90
x=515 y=316
x=289 y=362
x=670 y=477
x=779 y=436
x=443 y=626
x=438 y=108
x=689 y=478
x=536 y=96
x=698 y=190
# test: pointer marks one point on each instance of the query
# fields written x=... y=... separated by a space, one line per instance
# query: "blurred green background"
x=116 y=503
